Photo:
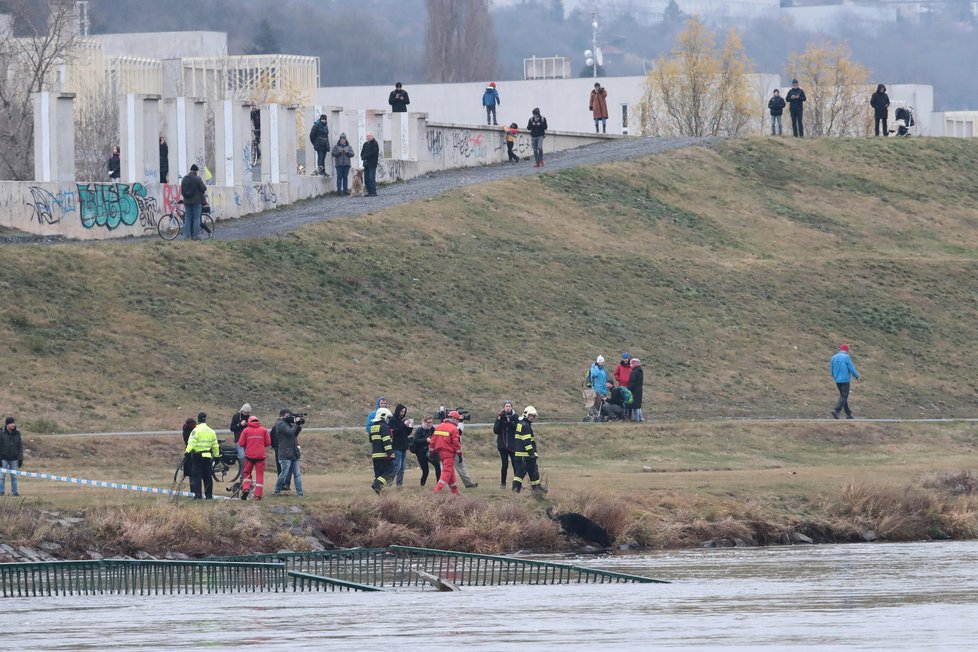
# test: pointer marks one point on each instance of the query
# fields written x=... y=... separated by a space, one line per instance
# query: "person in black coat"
x=398 y=99
x=188 y=461
x=796 y=106
x=164 y=160
x=11 y=454
x=370 y=156
x=776 y=106
x=115 y=163
x=880 y=102
x=400 y=432
x=635 y=382
x=505 y=430
x=319 y=137
x=418 y=444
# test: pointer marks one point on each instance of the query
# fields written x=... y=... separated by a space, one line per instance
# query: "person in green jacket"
x=203 y=448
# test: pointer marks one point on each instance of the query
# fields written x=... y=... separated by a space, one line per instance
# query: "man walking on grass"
x=842 y=371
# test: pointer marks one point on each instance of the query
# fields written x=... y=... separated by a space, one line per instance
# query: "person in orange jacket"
x=446 y=443
x=255 y=438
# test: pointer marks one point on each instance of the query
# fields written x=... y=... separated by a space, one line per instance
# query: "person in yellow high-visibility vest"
x=203 y=448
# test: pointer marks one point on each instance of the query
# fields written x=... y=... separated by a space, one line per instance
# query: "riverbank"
x=652 y=486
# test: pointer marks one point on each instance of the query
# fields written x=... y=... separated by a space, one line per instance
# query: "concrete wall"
x=96 y=211
x=164 y=45
x=958 y=124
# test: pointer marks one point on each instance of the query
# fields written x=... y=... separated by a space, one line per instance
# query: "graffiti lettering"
x=112 y=204
x=466 y=146
x=246 y=158
x=265 y=193
x=390 y=170
x=433 y=141
x=171 y=198
x=50 y=208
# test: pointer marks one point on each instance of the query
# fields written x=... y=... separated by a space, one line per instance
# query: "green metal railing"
x=307 y=582
x=464 y=568
x=138 y=577
x=359 y=566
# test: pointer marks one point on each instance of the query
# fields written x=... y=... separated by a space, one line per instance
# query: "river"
x=919 y=596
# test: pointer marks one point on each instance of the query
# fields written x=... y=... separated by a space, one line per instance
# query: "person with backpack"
x=505 y=430
x=614 y=408
x=635 y=382
x=490 y=98
x=194 y=191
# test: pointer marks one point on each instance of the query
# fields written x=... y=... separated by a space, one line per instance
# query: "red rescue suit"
x=445 y=441
x=255 y=439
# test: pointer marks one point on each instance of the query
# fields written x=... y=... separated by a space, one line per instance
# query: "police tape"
x=103 y=483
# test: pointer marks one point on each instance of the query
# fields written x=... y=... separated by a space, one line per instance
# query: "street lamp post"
x=592 y=57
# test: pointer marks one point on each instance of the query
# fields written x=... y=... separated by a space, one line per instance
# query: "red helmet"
x=455 y=415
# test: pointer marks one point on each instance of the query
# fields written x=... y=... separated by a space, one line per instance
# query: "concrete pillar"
x=54 y=137
x=287 y=148
x=401 y=136
x=195 y=128
x=417 y=124
x=226 y=172
x=131 y=139
x=359 y=118
x=309 y=116
x=375 y=123
x=150 y=164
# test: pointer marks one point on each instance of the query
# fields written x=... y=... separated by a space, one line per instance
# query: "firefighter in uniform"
x=381 y=450
x=203 y=448
x=446 y=443
x=526 y=453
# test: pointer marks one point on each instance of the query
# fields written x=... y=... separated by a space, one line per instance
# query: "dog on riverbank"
x=580 y=525
x=356 y=186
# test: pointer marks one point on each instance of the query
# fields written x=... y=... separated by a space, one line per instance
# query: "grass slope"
x=732 y=271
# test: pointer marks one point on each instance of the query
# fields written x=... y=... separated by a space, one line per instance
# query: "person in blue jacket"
x=490 y=98
x=381 y=403
x=599 y=379
x=843 y=371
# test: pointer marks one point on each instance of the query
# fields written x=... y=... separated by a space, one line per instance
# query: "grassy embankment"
x=732 y=271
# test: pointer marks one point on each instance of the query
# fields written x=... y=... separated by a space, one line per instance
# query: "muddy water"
x=897 y=596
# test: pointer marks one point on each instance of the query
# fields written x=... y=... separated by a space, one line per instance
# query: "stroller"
x=904 y=121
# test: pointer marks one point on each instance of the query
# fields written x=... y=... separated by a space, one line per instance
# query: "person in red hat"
x=255 y=438
x=490 y=98
x=843 y=371
x=446 y=443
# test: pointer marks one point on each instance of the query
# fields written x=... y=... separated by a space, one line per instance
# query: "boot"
x=376 y=486
x=604 y=127
x=454 y=488
x=595 y=127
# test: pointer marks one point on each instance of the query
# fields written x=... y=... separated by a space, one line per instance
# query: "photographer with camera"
x=418 y=444
x=463 y=415
x=285 y=442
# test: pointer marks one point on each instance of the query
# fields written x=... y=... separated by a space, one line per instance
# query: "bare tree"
x=837 y=89
x=460 y=43
x=96 y=130
x=699 y=90
x=28 y=65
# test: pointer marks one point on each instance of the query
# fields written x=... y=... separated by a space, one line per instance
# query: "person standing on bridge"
x=598 y=106
x=203 y=448
x=11 y=454
x=319 y=137
x=842 y=371
x=398 y=99
x=370 y=157
x=490 y=99
x=255 y=439
x=537 y=126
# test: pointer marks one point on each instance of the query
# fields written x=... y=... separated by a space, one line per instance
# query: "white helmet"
x=529 y=410
x=600 y=359
x=383 y=414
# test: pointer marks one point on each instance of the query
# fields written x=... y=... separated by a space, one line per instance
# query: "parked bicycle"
x=222 y=467
x=171 y=224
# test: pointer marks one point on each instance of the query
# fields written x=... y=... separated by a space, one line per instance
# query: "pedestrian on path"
x=537 y=126
x=11 y=454
x=843 y=371
x=369 y=156
x=194 y=192
x=510 y=135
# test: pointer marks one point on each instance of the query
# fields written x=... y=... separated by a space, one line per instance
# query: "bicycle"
x=220 y=469
x=255 y=147
x=171 y=224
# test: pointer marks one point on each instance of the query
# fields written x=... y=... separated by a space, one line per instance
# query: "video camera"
x=295 y=418
x=442 y=413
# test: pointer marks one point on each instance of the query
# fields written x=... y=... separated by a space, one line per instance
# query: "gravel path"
x=288 y=218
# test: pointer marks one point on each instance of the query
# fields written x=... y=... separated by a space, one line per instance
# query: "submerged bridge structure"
x=356 y=569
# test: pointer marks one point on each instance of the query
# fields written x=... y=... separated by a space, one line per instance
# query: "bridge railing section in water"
x=363 y=568
x=138 y=577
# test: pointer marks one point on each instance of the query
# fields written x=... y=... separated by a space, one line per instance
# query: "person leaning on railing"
x=203 y=448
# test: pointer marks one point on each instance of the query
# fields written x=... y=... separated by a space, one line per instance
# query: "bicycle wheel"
x=206 y=226
x=169 y=226
x=178 y=475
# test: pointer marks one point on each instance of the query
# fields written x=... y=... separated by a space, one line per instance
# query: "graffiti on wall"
x=390 y=170
x=171 y=198
x=433 y=140
x=265 y=193
x=110 y=205
x=50 y=208
x=467 y=145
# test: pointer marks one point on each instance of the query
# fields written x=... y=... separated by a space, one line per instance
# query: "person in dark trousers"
x=319 y=137
x=537 y=126
x=188 y=427
x=843 y=371
x=527 y=453
x=398 y=99
x=776 y=107
x=419 y=444
x=342 y=156
x=274 y=432
x=622 y=372
x=287 y=453
x=880 y=102
x=203 y=448
x=598 y=106
x=796 y=106
x=239 y=421
x=194 y=190
x=505 y=430
x=490 y=99
x=381 y=450
x=369 y=156
x=11 y=455
x=614 y=408
x=401 y=428
x=511 y=132
x=635 y=382
x=164 y=160
x=115 y=163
